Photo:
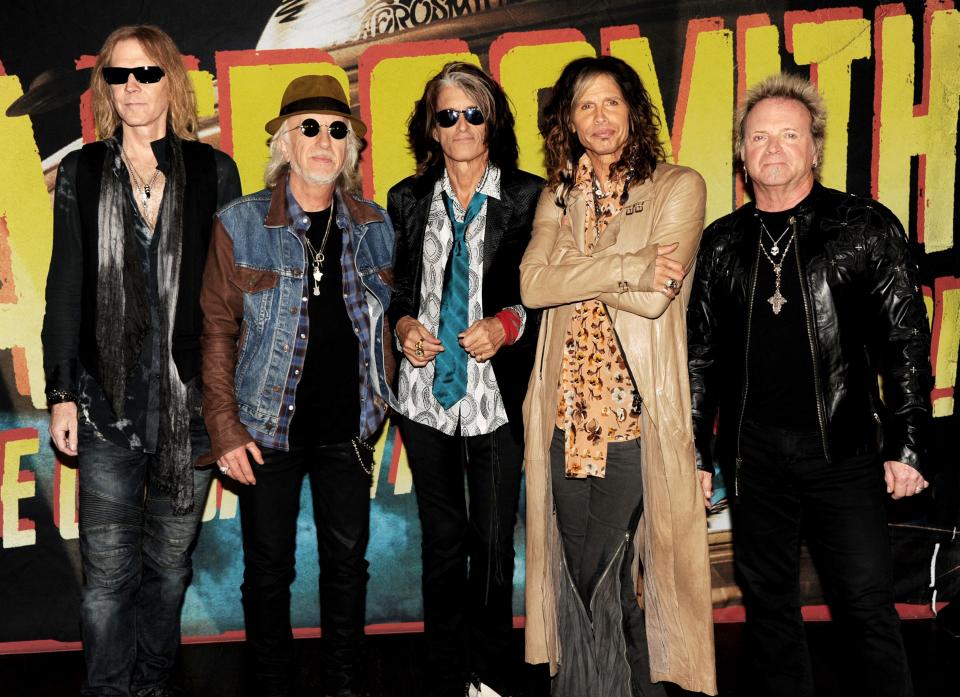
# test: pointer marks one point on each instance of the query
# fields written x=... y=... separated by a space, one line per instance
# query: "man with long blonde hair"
x=121 y=339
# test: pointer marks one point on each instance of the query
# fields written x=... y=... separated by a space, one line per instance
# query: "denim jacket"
x=252 y=301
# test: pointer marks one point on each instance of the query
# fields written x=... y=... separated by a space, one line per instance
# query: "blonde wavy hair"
x=182 y=113
x=349 y=180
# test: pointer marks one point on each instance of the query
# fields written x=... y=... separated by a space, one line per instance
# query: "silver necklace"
x=142 y=187
x=317 y=261
x=775 y=249
x=777 y=300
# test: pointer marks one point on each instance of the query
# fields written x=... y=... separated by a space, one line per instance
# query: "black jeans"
x=268 y=516
x=787 y=488
x=136 y=564
x=468 y=614
x=597 y=517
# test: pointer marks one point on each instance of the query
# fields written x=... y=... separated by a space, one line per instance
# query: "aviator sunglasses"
x=145 y=74
x=310 y=128
x=449 y=117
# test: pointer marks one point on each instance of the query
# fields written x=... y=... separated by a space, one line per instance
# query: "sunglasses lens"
x=447 y=117
x=337 y=130
x=149 y=74
x=115 y=76
x=473 y=115
x=309 y=127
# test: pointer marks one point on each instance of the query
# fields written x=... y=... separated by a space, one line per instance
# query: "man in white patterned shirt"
x=462 y=223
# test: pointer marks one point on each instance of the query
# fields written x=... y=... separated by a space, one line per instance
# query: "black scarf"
x=123 y=319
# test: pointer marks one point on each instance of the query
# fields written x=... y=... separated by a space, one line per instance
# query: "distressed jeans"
x=136 y=565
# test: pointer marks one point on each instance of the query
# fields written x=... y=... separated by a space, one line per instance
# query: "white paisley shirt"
x=481 y=410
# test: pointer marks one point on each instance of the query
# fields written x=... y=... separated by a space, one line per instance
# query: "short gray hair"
x=784 y=86
x=350 y=179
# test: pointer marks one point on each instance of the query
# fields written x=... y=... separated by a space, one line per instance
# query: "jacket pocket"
x=251 y=280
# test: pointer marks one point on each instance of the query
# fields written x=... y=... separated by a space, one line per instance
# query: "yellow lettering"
x=929 y=130
x=706 y=100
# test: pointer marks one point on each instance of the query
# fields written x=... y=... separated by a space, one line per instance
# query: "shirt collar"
x=488 y=185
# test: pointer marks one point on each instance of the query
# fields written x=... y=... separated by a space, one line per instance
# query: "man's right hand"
x=63 y=427
x=418 y=345
x=236 y=465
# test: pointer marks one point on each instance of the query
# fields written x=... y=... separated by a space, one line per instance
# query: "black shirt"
x=327 y=402
x=781 y=389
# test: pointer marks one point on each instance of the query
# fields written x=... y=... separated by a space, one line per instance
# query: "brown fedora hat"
x=314 y=94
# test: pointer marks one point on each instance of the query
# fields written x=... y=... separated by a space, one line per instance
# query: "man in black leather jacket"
x=799 y=302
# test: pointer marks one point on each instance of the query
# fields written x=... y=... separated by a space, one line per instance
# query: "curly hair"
x=784 y=86
x=562 y=147
x=488 y=97
x=156 y=43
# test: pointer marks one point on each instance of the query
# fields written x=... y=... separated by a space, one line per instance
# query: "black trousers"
x=597 y=517
x=268 y=515
x=468 y=555
x=786 y=489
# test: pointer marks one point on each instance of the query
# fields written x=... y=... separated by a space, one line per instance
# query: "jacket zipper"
x=814 y=353
x=746 y=369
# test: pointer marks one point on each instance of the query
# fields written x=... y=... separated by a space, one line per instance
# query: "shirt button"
x=296 y=371
x=286 y=347
x=304 y=298
x=276 y=388
x=303 y=336
x=293 y=310
x=290 y=408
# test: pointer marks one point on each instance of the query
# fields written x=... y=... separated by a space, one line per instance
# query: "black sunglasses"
x=310 y=129
x=449 y=117
x=145 y=74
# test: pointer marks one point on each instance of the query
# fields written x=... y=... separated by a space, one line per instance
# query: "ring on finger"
x=418 y=348
x=224 y=470
x=671 y=284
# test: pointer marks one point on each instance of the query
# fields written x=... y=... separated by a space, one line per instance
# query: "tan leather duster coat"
x=672 y=535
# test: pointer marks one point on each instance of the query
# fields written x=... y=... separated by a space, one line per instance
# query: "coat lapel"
x=498 y=213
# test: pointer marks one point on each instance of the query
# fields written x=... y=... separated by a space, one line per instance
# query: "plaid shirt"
x=372 y=412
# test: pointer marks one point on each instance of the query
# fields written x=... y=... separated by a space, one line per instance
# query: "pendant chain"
x=142 y=188
x=777 y=300
x=317 y=261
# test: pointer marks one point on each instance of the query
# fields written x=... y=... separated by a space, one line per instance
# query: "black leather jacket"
x=865 y=316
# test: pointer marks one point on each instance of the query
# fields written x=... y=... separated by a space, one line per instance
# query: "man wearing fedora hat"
x=296 y=380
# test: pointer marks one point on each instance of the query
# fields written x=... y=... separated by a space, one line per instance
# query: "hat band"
x=315 y=104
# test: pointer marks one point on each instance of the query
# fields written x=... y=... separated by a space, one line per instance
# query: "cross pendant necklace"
x=777 y=301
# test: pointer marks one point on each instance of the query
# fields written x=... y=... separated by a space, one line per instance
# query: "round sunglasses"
x=449 y=117
x=145 y=74
x=310 y=128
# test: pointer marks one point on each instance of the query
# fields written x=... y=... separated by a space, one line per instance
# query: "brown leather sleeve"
x=222 y=302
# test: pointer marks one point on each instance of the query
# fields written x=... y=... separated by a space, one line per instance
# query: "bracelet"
x=60 y=396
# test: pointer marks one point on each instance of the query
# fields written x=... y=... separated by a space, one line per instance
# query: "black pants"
x=268 y=515
x=597 y=517
x=468 y=608
x=786 y=488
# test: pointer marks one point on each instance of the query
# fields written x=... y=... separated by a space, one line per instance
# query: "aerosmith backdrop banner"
x=890 y=74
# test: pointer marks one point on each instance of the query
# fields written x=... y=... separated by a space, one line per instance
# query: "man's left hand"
x=902 y=479
x=706 y=486
x=483 y=338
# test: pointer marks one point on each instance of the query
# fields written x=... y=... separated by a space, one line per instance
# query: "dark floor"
x=394 y=666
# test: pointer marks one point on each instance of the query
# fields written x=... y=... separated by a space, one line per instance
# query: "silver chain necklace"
x=777 y=300
x=317 y=261
x=775 y=249
x=142 y=187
